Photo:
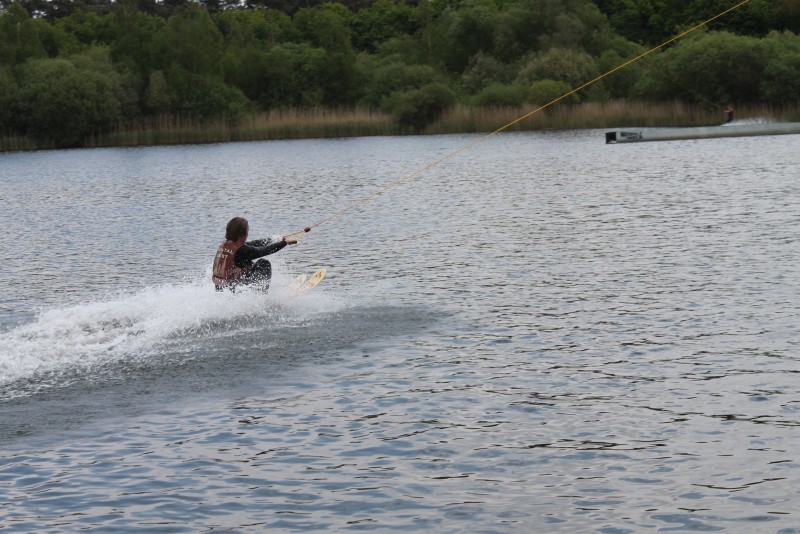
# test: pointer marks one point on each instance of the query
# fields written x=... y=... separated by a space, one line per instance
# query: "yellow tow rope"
x=408 y=177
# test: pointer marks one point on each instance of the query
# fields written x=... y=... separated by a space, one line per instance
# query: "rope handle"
x=299 y=234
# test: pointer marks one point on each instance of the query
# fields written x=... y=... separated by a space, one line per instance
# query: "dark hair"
x=237 y=227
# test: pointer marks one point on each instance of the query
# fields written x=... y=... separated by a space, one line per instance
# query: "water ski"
x=302 y=285
x=297 y=282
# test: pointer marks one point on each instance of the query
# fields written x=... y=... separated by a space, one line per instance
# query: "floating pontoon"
x=637 y=135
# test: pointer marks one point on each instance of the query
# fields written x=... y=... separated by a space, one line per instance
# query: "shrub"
x=500 y=95
x=418 y=108
x=64 y=105
x=545 y=91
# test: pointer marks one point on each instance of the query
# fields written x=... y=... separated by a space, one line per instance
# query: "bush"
x=418 y=108
x=292 y=75
x=714 y=69
x=499 y=95
x=781 y=82
x=64 y=105
x=621 y=82
x=206 y=97
x=545 y=91
x=9 y=101
x=570 y=66
x=394 y=77
x=484 y=70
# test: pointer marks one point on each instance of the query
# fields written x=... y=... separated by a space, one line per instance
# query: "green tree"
x=244 y=60
x=571 y=66
x=64 y=104
x=133 y=47
x=158 y=96
x=326 y=27
x=634 y=20
x=384 y=19
x=89 y=28
x=715 y=68
x=260 y=28
x=401 y=48
x=246 y=69
x=621 y=82
x=9 y=102
x=525 y=26
x=785 y=15
x=19 y=36
x=418 y=108
x=189 y=51
x=292 y=75
x=543 y=92
x=191 y=41
x=204 y=97
x=52 y=10
x=652 y=22
x=500 y=95
x=459 y=34
x=393 y=77
x=484 y=70
x=780 y=84
x=97 y=59
x=577 y=24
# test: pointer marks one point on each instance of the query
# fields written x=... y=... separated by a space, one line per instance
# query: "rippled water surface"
x=540 y=334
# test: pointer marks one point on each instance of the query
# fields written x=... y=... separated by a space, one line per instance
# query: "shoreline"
x=326 y=123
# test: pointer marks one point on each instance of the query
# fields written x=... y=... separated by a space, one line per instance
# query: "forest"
x=71 y=70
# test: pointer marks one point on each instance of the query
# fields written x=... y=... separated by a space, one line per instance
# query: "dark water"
x=542 y=334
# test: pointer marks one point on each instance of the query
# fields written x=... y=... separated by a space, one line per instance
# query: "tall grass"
x=300 y=123
x=279 y=124
x=11 y=143
x=615 y=114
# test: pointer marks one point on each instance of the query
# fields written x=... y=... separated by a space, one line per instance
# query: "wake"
x=144 y=325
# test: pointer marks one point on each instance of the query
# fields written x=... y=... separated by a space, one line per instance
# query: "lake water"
x=543 y=333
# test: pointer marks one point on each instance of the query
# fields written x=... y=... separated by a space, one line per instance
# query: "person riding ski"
x=233 y=263
x=729 y=114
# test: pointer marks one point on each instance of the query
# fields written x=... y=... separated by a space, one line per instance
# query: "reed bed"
x=15 y=143
x=278 y=124
x=326 y=123
x=615 y=114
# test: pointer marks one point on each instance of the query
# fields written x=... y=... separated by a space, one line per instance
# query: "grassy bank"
x=281 y=124
x=616 y=114
x=300 y=124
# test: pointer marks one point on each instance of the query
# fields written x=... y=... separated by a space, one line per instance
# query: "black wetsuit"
x=259 y=272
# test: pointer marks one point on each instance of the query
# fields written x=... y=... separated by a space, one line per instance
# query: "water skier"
x=234 y=264
x=729 y=114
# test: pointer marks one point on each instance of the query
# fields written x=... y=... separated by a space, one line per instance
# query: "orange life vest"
x=224 y=271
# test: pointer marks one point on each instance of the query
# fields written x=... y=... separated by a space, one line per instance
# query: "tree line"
x=70 y=69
